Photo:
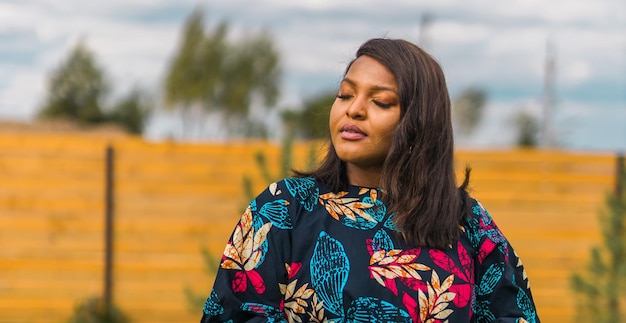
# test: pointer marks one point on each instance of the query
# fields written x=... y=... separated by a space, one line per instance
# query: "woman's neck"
x=366 y=177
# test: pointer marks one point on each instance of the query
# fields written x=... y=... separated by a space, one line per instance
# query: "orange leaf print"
x=253 y=260
x=435 y=304
x=244 y=251
x=246 y=245
x=394 y=264
x=232 y=253
x=260 y=235
x=229 y=264
x=295 y=300
x=317 y=314
x=337 y=205
x=241 y=230
x=374 y=195
x=377 y=256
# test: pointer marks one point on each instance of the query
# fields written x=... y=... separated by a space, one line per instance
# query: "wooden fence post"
x=108 y=230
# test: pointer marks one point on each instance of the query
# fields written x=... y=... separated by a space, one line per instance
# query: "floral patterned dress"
x=301 y=253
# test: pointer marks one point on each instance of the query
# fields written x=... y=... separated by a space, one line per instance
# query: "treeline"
x=214 y=75
x=209 y=74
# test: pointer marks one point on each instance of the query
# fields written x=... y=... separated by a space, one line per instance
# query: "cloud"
x=576 y=72
x=21 y=97
x=496 y=45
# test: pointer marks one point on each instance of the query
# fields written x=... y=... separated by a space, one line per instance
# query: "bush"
x=94 y=310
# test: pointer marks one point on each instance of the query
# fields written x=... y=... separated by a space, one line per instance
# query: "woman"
x=379 y=232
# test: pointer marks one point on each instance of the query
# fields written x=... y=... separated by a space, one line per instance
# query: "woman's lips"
x=351 y=132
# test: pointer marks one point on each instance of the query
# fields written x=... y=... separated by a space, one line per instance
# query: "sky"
x=498 y=46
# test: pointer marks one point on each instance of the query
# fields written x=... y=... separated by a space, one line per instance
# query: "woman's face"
x=364 y=115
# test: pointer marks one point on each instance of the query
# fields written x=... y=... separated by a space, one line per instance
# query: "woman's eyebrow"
x=375 y=88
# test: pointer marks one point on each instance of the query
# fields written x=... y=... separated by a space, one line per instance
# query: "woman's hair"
x=418 y=177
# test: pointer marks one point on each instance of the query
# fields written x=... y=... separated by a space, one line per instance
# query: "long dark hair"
x=418 y=178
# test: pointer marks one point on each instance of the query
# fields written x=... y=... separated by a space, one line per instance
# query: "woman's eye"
x=383 y=105
x=343 y=96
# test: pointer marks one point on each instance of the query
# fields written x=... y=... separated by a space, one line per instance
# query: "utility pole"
x=425 y=21
x=547 y=131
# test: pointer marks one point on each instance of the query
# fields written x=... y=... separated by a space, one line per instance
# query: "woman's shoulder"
x=301 y=190
x=283 y=200
x=478 y=212
x=479 y=225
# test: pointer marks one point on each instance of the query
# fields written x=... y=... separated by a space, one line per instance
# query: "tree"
x=250 y=71
x=132 y=111
x=527 y=127
x=250 y=74
x=602 y=290
x=313 y=121
x=467 y=109
x=194 y=70
x=212 y=74
x=76 y=89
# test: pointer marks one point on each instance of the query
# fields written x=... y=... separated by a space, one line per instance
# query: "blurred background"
x=132 y=134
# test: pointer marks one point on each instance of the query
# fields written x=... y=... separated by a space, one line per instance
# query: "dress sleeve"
x=252 y=273
x=502 y=289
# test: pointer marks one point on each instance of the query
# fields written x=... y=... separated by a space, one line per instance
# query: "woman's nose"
x=357 y=108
